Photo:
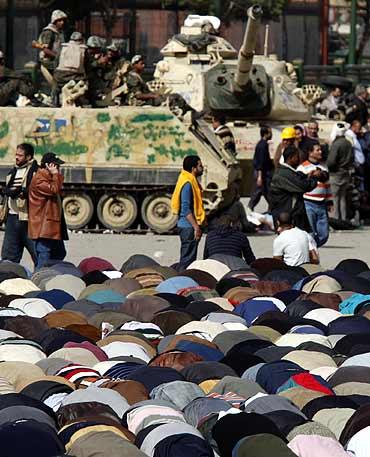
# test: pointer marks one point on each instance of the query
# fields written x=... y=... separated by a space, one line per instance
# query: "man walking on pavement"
x=317 y=200
x=47 y=225
x=16 y=205
x=340 y=164
x=187 y=203
x=263 y=168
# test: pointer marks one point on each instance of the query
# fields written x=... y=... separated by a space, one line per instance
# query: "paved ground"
x=117 y=248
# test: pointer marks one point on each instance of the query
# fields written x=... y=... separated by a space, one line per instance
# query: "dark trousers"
x=189 y=248
x=259 y=192
x=16 y=239
x=47 y=250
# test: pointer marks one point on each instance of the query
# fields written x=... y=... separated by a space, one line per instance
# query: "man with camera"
x=15 y=205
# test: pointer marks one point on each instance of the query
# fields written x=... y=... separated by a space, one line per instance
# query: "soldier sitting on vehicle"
x=51 y=39
x=72 y=61
x=115 y=58
x=138 y=90
x=97 y=63
x=12 y=85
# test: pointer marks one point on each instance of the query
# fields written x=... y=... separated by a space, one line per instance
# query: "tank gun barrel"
x=246 y=53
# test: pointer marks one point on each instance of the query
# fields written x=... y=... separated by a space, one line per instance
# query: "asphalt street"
x=117 y=248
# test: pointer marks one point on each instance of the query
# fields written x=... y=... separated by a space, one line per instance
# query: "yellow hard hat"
x=288 y=133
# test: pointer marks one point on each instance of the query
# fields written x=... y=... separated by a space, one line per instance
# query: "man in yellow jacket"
x=188 y=204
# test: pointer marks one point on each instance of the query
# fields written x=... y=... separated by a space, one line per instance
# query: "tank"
x=249 y=89
x=212 y=75
x=122 y=163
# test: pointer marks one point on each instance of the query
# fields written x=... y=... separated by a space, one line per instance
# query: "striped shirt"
x=226 y=138
x=18 y=182
x=322 y=191
x=229 y=241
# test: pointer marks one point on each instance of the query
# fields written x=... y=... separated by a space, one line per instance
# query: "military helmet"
x=113 y=47
x=57 y=15
x=136 y=59
x=94 y=42
x=288 y=133
x=76 y=36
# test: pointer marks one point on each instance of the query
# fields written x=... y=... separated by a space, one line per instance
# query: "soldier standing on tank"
x=51 y=39
x=223 y=133
x=138 y=90
x=11 y=85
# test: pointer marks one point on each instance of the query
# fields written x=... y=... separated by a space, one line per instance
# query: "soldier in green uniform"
x=97 y=63
x=138 y=90
x=12 y=85
x=51 y=39
x=71 y=63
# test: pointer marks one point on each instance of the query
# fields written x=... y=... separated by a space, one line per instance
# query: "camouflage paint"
x=103 y=117
x=68 y=149
x=4 y=129
x=119 y=138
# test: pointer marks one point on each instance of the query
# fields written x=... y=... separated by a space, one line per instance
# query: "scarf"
x=185 y=177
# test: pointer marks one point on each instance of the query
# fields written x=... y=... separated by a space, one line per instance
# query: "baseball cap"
x=50 y=157
x=137 y=59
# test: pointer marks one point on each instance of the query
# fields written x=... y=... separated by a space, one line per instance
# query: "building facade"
x=146 y=30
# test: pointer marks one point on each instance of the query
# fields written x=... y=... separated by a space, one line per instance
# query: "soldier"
x=11 y=85
x=114 y=56
x=94 y=47
x=139 y=92
x=71 y=66
x=72 y=60
x=96 y=65
x=51 y=39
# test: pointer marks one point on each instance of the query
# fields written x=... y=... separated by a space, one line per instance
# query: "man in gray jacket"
x=340 y=164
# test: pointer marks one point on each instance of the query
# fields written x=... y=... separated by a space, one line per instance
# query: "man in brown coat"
x=46 y=221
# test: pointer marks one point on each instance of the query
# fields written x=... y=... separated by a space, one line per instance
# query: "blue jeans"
x=189 y=247
x=47 y=250
x=318 y=216
x=16 y=239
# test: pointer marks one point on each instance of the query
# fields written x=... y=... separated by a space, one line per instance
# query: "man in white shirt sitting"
x=293 y=245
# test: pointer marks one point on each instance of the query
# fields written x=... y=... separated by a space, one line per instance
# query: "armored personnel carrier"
x=122 y=163
x=247 y=88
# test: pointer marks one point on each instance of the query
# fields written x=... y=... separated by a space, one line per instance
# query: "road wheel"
x=157 y=214
x=78 y=210
x=117 y=212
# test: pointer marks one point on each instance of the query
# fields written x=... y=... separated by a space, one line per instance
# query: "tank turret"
x=211 y=75
x=246 y=53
